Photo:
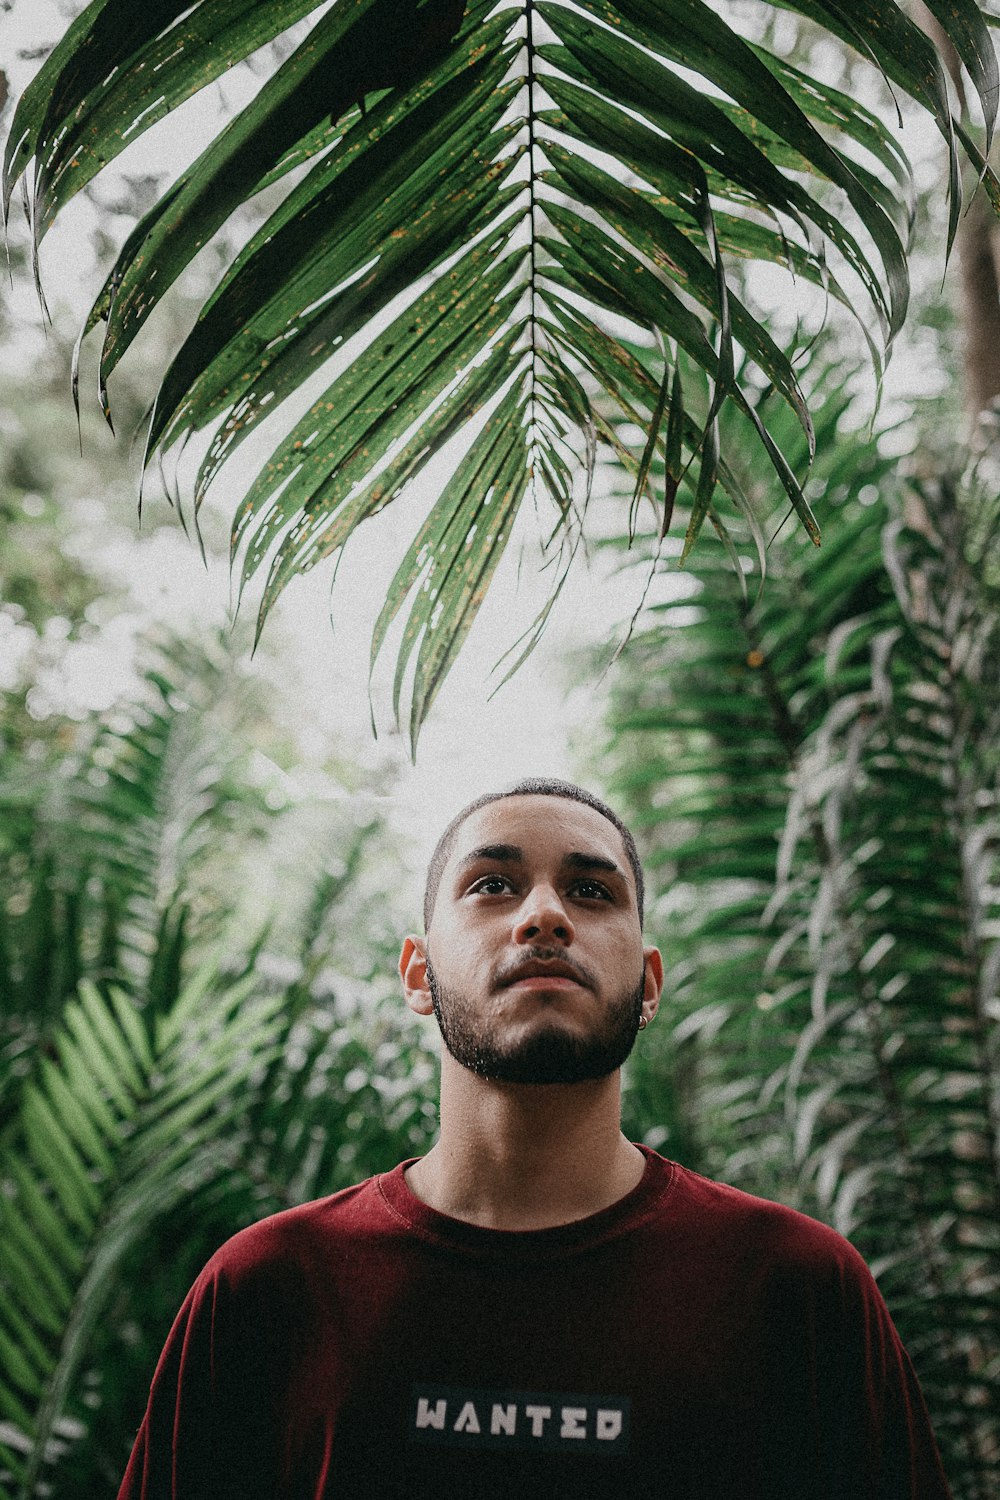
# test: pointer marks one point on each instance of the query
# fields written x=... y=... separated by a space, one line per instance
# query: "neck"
x=526 y=1156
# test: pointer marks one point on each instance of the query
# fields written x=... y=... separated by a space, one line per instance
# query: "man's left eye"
x=592 y=890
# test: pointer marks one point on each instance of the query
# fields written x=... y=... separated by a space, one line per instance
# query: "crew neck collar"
x=527 y=1244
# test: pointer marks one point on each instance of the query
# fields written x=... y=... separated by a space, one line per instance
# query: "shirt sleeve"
x=864 y=1432
x=205 y=1432
x=901 y=1456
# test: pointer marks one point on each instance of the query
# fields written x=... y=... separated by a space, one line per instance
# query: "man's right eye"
x=492 y=885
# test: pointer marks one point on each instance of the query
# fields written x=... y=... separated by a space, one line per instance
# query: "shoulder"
x=264 y=1288
x=300 y=1242
x=725 y=1219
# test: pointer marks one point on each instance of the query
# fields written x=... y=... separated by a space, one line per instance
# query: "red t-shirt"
x=690 y=1341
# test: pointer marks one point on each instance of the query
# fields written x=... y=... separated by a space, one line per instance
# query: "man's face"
x=535 y=964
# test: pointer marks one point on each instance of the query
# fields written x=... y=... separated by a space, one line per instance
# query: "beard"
x=549 y=1054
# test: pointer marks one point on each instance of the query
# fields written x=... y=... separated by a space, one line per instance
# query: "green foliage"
x=482 y=200
x=175 y=1065
x=125 y=1122
x=139 y=1131
x=818 y=778
x=102 y=850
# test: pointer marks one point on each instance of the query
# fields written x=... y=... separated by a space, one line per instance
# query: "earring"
x=643 y=1023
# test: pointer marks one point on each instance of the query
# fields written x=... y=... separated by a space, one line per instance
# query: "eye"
x=491 y=885
x=592 y=890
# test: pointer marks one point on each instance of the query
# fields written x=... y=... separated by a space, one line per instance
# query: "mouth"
x=552 y=973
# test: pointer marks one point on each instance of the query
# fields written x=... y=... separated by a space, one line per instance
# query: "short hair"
x=532 y=786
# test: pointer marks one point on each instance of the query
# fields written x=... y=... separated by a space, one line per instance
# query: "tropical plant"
x=124 y=1124
x=143 y=1141
x=176 y=1066
x=105 y=850
x=818 y=775
x=476 y=203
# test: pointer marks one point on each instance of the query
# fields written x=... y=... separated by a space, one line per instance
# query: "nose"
x=542 y=917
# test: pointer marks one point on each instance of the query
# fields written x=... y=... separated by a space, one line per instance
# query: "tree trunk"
x=977 y=257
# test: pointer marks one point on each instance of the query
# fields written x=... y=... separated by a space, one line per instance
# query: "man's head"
x=533 y=960
x=532 y=786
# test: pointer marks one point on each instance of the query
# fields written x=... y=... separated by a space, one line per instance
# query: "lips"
x=536 y=968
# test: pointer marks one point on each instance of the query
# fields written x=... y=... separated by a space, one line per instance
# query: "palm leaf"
x=102 y=56
x=828 y=879
x=428 y=156
x=112 y=1135
x=113 y=837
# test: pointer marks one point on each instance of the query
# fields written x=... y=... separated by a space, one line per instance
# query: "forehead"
x=545 y=828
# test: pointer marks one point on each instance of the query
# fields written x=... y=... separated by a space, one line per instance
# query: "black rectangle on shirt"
x=543 y=1421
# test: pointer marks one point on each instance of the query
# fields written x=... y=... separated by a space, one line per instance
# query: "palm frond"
x=819 y=778
x=116 y=1126
x=487 y=192
x=100 y=857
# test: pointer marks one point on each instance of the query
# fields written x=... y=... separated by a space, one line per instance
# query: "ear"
x=413 y=973
x=652 y=981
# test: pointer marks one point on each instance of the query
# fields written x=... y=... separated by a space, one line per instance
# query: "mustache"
x=508 y=971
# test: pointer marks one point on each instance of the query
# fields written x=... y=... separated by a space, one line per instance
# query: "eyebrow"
x=593 y=862
x=512 y=854
x=508 y=854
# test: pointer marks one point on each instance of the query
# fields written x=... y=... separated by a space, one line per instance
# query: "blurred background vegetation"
x=200 y=907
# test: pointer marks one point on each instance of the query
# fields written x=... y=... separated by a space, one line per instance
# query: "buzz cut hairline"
x=532 y=786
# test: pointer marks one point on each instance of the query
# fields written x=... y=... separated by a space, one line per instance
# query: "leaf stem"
x=529 y=16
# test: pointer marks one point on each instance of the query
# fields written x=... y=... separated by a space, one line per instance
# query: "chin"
x=552 y=1055
x=546 y=1046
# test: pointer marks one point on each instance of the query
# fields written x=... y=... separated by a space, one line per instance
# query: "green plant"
x=488 y=194
x=818 y=778
x=119 y=1123
x=105 y=846
x=178 y=1066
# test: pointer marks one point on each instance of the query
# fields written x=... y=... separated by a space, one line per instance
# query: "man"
x=536 y=1308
